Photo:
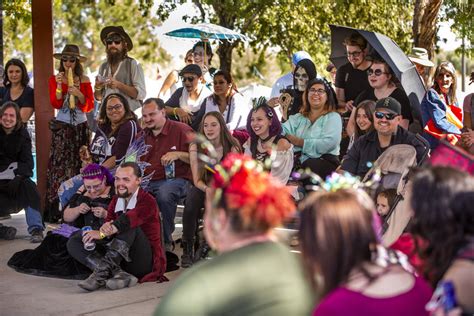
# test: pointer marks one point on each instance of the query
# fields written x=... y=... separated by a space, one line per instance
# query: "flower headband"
x=261 y=102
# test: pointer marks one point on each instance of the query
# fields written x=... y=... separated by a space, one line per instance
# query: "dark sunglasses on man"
x=113 y=39
x=376 y=72
x=190 y=79
x=388 y=116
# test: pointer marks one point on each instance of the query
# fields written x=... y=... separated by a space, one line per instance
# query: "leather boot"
x=117 y=250
x=101 y=272
x=188 y=253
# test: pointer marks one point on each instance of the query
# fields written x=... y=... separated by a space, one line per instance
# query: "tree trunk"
x=225 y=55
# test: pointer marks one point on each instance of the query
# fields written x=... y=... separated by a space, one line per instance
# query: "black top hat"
x=70 y=50
x=108 y=30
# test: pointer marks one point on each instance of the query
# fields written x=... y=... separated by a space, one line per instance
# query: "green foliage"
x=461 y=13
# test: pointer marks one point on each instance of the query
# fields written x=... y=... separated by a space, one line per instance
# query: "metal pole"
x=463 y=62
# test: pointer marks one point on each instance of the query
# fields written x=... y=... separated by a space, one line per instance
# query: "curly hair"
x=442 y=199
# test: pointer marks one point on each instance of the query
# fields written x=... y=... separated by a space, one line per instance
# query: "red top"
x=343 y=301
x=85 y=87
x=145 y=215
x=173 y=137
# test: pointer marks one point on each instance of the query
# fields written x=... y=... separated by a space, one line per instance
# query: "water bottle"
x=169 y=171
x=91 y=244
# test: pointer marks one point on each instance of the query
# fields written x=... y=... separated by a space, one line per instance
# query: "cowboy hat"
x=70 y=50
x=108 y=30
x=420 y=56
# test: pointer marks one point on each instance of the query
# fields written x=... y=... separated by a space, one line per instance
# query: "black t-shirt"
x=398 y=94
x=353 y=81
x=26 y=99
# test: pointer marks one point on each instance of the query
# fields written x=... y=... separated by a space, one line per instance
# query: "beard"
x=125 y=194
x=114 y=57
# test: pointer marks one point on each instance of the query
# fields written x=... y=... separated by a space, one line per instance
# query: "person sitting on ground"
x=316 y=130
x=384 y=202
x=168 y=156
x=16 y=89
x=214 y=129
x=361 y=121
x=443 y=217
x=187 y=99
x=17 y=190
x=172 y=81
x=265 y=137
x=128 y=244
x=345 y=261
x=387 y=132
x=88 y=207
x=442 y=117
x=116 y=131
x=225 y=100
x=253 y=274
x=351 y=78
x=382 y=85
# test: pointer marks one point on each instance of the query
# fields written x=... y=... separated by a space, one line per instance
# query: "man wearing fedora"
x=119 y=73
x=419 y=57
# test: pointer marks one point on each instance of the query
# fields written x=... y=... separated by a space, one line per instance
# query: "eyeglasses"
x=114 y=107
x=376 y=72
x=302 y=76
x=115 y=41
x=388 y=116
x=190 y=79
x=317 y=91
x=354 y=54
x=69 y=59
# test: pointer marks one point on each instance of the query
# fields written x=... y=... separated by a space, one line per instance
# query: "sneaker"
x=36 y=236
x=7 y=233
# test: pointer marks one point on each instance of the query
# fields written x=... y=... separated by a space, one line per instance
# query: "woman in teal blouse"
x=316 y=130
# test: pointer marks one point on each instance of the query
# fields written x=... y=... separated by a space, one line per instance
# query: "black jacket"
x=367 y=149
x=16 y=147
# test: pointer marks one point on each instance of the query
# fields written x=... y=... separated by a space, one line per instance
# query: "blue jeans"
x=167 y=194
x=67 y=189
x=33 y=219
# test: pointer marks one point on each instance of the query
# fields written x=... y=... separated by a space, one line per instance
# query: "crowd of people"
x=241 y=169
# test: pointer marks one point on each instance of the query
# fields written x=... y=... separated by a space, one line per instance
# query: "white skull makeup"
x=301 y=79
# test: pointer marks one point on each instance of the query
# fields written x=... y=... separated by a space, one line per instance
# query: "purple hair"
x=275 y=124
x=95 y=171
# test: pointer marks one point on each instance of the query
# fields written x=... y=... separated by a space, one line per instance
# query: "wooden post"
x=43 y=67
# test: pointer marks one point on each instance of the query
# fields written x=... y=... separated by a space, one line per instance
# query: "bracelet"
x=102 y=235
x=97 y=89
x=174 y=112
x=59 y=90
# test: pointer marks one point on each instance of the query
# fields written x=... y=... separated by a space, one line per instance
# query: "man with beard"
x=387 y=132
x=128 y=246
x=119 y=73
x=168 y=156
x=351 y=78
x=187 y=99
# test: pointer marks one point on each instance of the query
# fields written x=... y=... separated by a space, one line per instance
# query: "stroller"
x=395 y=164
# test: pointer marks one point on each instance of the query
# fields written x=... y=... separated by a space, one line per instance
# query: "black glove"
x=13 y=186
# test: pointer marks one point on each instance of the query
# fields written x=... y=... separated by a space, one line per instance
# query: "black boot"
x=101 y=272
x=117 y=250
x=202 y=252
x=188 y=253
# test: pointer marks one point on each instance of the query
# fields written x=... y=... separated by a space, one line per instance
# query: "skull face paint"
x=301 y=78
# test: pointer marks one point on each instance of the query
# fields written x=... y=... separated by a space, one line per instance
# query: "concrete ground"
x=22 y=294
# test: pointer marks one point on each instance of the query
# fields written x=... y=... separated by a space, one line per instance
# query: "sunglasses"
x=114 y=107
x=302 y=76
x=69 y=59
x=376 y=72
x=388 y=116
x=353 y=54
x=190 y=79
x=115 y=41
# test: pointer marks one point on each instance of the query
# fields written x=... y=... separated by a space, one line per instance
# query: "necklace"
x=265 y=139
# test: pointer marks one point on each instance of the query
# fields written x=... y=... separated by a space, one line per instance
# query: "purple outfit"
x=343 y=301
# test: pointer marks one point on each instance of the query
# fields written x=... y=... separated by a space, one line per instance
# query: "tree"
x=425 y=19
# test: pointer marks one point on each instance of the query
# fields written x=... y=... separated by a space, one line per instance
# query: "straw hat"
x=108 y=30
x=420 y=56
x=70 y=50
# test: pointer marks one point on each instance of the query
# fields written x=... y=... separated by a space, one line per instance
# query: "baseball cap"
x=299 y=56
x=191 y=69
x=389 y=104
